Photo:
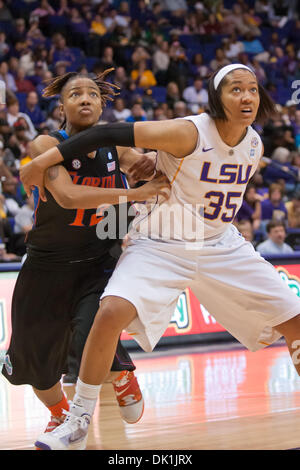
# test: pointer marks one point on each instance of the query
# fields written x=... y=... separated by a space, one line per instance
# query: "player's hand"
x=143 y=168
x=160 y=185
x=32 y=175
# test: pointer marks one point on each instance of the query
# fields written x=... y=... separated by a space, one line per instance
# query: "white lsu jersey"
x=207 y=188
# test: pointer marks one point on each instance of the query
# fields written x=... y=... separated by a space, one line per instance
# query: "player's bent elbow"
x=66 y=201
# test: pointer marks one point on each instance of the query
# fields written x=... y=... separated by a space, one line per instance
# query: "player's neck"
x=231 y=135
x=71 y=130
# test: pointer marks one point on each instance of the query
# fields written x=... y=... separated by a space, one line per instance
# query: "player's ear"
x=61 y=109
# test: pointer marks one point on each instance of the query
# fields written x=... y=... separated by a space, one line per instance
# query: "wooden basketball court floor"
x=220 y=398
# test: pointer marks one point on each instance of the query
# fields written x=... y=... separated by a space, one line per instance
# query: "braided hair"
x=57 y=84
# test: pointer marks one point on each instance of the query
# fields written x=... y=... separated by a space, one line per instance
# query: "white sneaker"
x=71 y=435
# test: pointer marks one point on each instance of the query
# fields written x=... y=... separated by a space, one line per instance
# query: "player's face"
x=81 y=103
x=240 y=97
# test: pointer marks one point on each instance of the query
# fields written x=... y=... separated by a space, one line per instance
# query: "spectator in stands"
x=55 y=119
x=178 y=70
x=45 y=103
x=43 y=10
x=246 y=229
x=24 y=217
x=143 y=76
x=107 y=59
x=159 y=113
x=13 y=202
x=290 y=63
x=233 y=21
x=137 y=114
x=275 y=244
x=112 y=20
x=39 y=74
x=33 y=110
x=293 y=211
x=59 y=50
x=251 y=207
x=280 y=12
x=274 y=208
x=120 y=78
x=5 y=14
x=176 y=7
x=252 y=20
x=180 y=110
x=290 y=112
x=253 y=46
x=26 y=60
x=63 y=10
x=259 y=71
x=280 y=168
x=13 y=114
x=232 y=47
x=19 y=32
x=34 y=35
x=219 y=61
x=193 y=25
x=4 y=47
x=23 y=84
x=196 y=96
x=97 y=26
x=121 y=113
x=79 y=29
x=21 y=129
x=7 y=77
x=198 y=67
x=172 y=94
x=40 y=56
x=212 y=26
x=7 y=161
x=160 y=63
x=139 y=53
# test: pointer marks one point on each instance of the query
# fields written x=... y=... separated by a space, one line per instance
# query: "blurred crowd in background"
x=163 y=53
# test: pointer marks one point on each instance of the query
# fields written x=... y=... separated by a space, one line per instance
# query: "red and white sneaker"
x=53 y=423
x=129 y=396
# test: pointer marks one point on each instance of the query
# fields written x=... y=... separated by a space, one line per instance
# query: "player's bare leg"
x=51 y=396
x=113 y=316
x=56 y=401
x=291 y=332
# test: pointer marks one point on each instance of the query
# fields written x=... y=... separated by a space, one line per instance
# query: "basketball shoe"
x=72 y=434
x=53 y=423
x=129 y=396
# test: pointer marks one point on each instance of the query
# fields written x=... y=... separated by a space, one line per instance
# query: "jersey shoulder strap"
x=60 y=135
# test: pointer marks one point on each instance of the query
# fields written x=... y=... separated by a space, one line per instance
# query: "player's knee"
x=291 y=328
x=114 y=314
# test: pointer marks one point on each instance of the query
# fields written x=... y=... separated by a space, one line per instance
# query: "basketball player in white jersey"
x=209 y=160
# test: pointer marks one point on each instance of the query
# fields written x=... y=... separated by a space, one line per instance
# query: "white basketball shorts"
x=243 y=292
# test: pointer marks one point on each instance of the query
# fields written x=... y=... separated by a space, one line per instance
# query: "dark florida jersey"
x=70 y=235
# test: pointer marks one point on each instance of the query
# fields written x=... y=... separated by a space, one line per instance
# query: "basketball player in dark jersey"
x=67 y=265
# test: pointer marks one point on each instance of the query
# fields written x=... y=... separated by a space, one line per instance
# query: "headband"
x=227 y=69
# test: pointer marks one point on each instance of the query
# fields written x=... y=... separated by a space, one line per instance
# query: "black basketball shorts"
x=49 y=302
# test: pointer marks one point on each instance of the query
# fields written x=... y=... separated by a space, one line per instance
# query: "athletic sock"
x=86 y=395
x=57 y=410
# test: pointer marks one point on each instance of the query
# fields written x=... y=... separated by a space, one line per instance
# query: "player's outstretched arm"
x=178 y=137
x=72 y=196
